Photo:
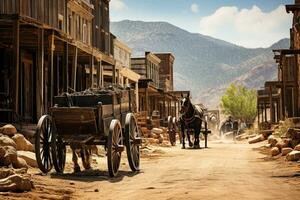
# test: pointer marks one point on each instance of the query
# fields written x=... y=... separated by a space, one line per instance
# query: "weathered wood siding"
x=44 y=11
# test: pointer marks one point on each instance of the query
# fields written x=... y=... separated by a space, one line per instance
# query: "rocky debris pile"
x=11 y=163
x=283 y=139
x=262 y=135
x=156 y=136
x=248 y=134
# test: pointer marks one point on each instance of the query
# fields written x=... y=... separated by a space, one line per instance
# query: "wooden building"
x=166 y=71
x=48 y=47
x=280 y=99
x=148 y=68
x=157 y=98
x=124 y=75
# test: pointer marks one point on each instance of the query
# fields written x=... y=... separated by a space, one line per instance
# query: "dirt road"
x=224 y=171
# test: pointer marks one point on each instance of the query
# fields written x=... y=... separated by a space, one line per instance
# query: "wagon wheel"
x=174 y=125
x=169 y=123
x=114 y=147
x=171 y=130
x=43 y=137
x=132 y=142
x=58 y=149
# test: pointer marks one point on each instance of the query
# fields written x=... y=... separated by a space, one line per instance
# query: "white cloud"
x=194 y=8
x=247 y=27
x=117 y=5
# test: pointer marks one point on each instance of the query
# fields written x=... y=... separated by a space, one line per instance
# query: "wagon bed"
x=102 y=118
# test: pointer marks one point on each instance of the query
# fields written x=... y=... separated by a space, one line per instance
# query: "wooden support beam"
x=271 y=104
x=16 y=61
x=92 y=71
x=65 y=67
x=114 y=74
x=99 y=74
x=40 y=75
x=52 y=48
x=74 y=69
x=147 y=101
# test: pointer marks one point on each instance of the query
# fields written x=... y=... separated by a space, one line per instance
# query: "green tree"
x=240 y=102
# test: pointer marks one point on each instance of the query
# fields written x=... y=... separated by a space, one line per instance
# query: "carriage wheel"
x=58 y=148
x=132 y=142
x=174 y=125
x=43 y=137
x=114 y=147
x=169 y=123
x=171 y=130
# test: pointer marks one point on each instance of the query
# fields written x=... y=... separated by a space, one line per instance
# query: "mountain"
x=202 y=64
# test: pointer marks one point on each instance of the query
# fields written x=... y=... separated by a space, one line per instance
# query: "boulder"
x=256 y=139
x=2 y=152
x=297 y=148
x=10 y=156
x=275 y=151
x=160 y=139
x=294 y=142
x=157 y=131
x=272 y=141
x=285 y=151
x=282 y=144
x=6 y=141
x=22 y=143
x=8 y=130
x=20 y=163
x=29 y=157
x=152 y=140
x=15 y=183
x=293 y=156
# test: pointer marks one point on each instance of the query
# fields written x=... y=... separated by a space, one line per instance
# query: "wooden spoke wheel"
x=58 y=149
x=132 y=142
x=43 y=138
x=171 y=131
x=114 y=147
x=169 y=123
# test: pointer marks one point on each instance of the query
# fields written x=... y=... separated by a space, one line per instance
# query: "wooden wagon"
x=101 y=118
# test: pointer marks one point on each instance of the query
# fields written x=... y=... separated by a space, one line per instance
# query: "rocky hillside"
x=203 y=64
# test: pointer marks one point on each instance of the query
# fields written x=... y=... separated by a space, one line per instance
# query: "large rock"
x=282 y=144
x=160 y=138
x=293 y=156
x=20 y=163
x=6 y=141
x=297 y=148
x=152 y=140
x=256 y=139
x=15 y=183
x=2 y=152
x=29 y=157
x=272 y=140
x=157 y=131
x=8 y=129
x=285 y=151
x=10 y=156
x=275 y=151
x=22 y=143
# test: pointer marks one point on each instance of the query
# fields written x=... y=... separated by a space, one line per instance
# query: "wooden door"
x=27 y=90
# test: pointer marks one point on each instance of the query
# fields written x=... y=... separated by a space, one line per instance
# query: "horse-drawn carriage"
x=99 y=117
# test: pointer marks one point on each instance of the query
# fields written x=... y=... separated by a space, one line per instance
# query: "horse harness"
x=196 y=114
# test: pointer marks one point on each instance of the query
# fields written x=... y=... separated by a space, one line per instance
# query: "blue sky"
x=250 y=23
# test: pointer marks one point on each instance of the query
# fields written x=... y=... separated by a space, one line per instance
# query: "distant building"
x=166 y=82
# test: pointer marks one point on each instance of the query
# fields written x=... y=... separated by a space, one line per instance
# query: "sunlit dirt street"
x=223 y=171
